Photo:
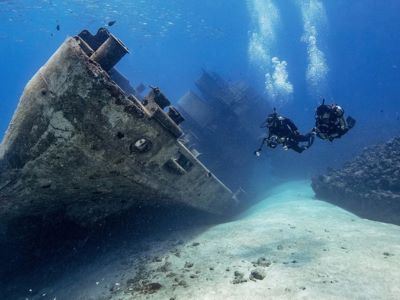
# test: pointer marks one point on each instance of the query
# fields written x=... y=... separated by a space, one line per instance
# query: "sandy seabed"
x=288 y=246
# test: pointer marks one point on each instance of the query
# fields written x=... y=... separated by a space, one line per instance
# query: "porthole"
x=141 y=145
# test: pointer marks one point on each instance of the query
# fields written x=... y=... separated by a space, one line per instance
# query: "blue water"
x=293 y=52
x=344 y=51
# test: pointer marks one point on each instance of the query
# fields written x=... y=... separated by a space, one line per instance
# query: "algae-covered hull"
x=83 y=147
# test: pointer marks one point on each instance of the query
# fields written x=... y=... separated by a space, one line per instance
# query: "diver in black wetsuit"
x=283 y=131
x=330 y=123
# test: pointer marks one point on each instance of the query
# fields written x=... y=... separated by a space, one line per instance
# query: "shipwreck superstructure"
x=82 y=146
x=222 y=123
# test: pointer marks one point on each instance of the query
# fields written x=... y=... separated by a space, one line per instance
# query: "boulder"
x=368 y=186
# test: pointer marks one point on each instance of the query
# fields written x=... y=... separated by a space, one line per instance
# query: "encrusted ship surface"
x=369 y=186
x=222 y=122
x=81 y=146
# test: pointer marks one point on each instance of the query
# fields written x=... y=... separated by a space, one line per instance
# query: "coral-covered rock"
x=369 y=186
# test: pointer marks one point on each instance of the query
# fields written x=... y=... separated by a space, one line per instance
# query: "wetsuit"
x=330 y=123
x=283 y=131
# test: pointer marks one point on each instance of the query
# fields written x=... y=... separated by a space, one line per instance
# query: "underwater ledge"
x=368 y=186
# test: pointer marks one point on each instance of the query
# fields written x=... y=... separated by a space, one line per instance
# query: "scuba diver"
x=330 y=123
x=283 y=131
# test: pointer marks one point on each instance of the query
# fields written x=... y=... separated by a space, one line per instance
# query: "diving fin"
x=350 y=122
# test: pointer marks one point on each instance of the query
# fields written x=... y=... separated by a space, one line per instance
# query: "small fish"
x=58 y=27
x=111 y=23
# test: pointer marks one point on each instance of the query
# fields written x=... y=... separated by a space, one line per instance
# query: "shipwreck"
x=222 y=122
x=82 y=145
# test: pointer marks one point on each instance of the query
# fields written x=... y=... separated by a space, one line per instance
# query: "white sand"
x=317 y=250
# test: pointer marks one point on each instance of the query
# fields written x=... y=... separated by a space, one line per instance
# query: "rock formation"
x=369 y=186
